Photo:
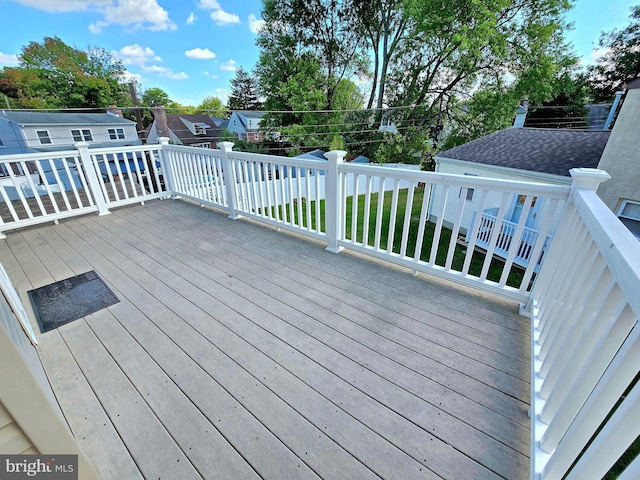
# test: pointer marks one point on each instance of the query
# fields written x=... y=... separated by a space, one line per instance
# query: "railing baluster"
x=379 y=213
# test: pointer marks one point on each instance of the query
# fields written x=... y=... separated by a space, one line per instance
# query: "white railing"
x=584 y=303
x=415 y=219
x=42 y=187
x=586 y=342
x=506 y=237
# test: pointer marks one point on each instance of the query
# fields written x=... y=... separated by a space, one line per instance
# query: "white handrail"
x=585 y=341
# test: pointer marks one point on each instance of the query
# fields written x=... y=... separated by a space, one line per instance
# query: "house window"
x=470 y=191
x=629 y=215
x=82 y=135
x=116 y=134
x=201 y=128
x=43 y=136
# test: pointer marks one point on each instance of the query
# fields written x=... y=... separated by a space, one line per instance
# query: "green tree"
x=244 y=92
x=503 y=50
x=621 y=61
x=317 y=36
x=212 y=106
x=155 y=97
x=56 y=75
x=381 y=24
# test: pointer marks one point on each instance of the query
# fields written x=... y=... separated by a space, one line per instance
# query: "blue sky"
x=190 y=48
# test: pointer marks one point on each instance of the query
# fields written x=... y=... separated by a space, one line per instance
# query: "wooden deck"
x=240 y=352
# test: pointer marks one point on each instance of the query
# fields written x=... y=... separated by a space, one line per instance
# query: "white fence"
x=586 y=343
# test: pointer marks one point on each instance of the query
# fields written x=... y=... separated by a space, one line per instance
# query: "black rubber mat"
x=70 y=299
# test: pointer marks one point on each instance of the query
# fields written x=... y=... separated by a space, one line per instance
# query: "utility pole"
x=134 y=99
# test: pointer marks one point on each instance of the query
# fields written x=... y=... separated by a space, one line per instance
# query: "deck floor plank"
x=245 y=352
x=504 y=404
x=272 y=458
x=360 y=441
x=463 y=438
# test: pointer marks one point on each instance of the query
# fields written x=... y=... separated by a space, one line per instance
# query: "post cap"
x=588 y=178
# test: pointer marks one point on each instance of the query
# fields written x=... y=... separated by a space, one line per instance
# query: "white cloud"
x=191 y=19
x=229 y=66
x=140 y=14
x=136 y=55
x=164 y=72
x=200 y=54
x=65 y=5
x=132 y=77
x=98 y=26
x=255 y=24
x=8 y=59
x=209 y=4
x=223 y=18
x=146 y=14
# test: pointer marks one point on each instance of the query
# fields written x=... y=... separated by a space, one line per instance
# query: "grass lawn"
x=495 y=269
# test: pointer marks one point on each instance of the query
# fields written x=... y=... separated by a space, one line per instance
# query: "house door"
x=518 y=206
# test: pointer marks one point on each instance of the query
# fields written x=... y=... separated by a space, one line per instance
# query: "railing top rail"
x=22 y=157
x=126 y=149
x=511 y=186
x=289 y=161
x=619 y=247
x=188 y=149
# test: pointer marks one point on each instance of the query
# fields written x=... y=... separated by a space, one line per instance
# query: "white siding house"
x=522 y=154
x=42 y=132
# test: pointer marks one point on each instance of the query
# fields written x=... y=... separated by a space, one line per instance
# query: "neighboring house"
x=30 y=132
x=25 y=132
x=246 y=124
x=387 y=123
x=521 y=154
x=621 y=160
x=221 y=123
x=184 y=129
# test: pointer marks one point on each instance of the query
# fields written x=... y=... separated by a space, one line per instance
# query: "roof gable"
x=553 y=151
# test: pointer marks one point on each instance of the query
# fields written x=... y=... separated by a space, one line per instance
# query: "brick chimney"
x=160 y=117
x=114 y=110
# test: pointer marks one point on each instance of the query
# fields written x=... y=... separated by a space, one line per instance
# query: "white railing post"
x=333 y=200
x=228 y=174
x=167 y=171
x=92 y=178
x=587 y=178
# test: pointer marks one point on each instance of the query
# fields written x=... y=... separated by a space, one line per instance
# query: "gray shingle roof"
x=185 y=135
x=47 y=118
x=536 y=149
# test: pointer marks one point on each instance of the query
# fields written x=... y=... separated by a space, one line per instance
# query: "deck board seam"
x=213 y=378
x=235 y=226
x=112 y=220
x=429 y=340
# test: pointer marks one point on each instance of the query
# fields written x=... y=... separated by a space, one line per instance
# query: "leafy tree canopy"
x=620 y=62
x=53 y=74
x=156 y=97
x=212 y=106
